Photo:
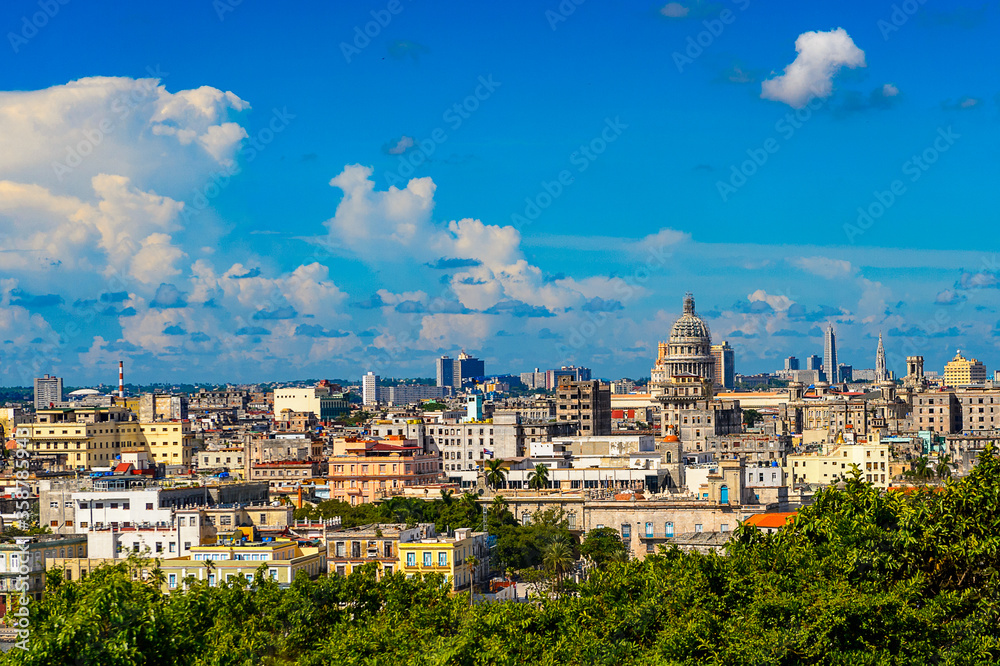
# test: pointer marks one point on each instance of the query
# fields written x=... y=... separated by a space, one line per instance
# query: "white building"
x=369 y=388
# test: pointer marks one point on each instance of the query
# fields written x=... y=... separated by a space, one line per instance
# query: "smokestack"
x=121 y=380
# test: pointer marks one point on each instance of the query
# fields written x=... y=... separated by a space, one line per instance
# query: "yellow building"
x=961 y=371
x=89 y=437
x=241 y=553
x=835 y=463
x=447 y=556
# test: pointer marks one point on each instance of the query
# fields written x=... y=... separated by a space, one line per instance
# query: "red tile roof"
x=773 y=520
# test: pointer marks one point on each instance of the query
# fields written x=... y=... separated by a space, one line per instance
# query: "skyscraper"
x=369 y=388
x=446 y=371
x=725 y=358
x=48 y=392
x=466 y=367
x=791 y=363
x=880 y=372
x=813 y=362
x=830 y=365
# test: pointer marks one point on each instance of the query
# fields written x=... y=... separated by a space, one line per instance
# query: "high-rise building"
x=555 y=376
x=881 y=374
x=814 y=362
x=48 y=392
x=588 y=403
x=830 y=364
x=961 y=371
x=466 y=367
x=369 y=388
x=791 y=363
x=845 y=372
x=446 y=371
x=725 y=373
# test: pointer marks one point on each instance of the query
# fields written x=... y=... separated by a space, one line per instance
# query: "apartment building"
x=25 y=557
x=243 y=553
x=282 y=473
x=588 y=403
x=350 y=549
x=836 y=463
x=85 y=438
x=448 y=556
x=364 y=470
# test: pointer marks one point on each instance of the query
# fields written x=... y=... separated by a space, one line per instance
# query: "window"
x=697 y=527
x=724 y=527
x=649 y=529
x=626 y=531
x=442 y=559
x=669 y=529
x=172 y=581
x=428 y=558
x=411 y=559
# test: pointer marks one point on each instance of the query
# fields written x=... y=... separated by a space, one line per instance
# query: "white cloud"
x=675 y=10
x=889 y=90
x=820 y=57
x=377 y=225
x=825 y=267
x=778 y=302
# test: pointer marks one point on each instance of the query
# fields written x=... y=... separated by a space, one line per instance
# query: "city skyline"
x=207 y=210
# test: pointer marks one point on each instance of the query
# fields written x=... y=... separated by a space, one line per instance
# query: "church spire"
x=881 y=374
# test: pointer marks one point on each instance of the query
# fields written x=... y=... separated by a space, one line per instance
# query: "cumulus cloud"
x=820 y=56
x=778 y=302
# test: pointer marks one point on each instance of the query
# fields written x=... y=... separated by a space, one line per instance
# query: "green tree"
x=538 y=478
x=496 y=474
x=558 y=559
x=943 y=467
x=751 y=417
x=603 y=545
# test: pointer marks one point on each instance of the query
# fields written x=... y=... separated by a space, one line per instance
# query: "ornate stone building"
x=682 y=381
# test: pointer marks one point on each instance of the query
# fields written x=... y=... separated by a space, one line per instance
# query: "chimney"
x=121 y=380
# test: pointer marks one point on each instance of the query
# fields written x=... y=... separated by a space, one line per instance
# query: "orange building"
x=366 y=470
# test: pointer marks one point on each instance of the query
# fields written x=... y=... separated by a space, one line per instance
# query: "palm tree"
x=472 y=561
x=921 y=470
x=558 y=558
x=447 y=496
x=499 y=505
x=496 y=475
x=943 y=467
x=539 y=478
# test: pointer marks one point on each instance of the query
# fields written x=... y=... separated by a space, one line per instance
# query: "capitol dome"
x=688 y=350
x=690 y=326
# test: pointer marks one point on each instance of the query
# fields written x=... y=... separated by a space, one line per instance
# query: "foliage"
x=496 y=475
x=538 y=478
x=862 y=576
x=751 y=417
x=603 y=545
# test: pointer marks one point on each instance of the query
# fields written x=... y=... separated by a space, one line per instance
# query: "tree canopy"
x=862 y=576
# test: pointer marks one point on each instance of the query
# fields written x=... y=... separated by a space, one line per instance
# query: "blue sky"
x=216 y=191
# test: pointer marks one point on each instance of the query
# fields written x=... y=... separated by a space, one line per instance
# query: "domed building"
x=683 y=383
x=689 y=349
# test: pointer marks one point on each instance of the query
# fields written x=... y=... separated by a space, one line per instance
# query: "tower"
x=880 y=373
x=830 y=356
